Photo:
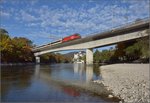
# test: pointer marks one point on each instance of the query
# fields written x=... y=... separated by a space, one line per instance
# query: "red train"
x=66 y=39
x=71 y=37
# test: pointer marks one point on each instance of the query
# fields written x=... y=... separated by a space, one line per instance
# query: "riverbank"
x=13 y=64
x=129 y=82
x=17 y=64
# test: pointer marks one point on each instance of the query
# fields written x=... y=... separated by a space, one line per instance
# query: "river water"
x=48 y=83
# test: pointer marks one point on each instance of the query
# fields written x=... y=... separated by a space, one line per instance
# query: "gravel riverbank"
x=130 y=82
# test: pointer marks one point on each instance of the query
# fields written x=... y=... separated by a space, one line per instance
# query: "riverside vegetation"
x=18 y=49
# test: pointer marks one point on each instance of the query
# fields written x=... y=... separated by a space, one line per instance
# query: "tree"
x=18 y=49
x=3 y=31
x=96 y=56
x=22 y=48
x=140 y=49
x=105 y=56
x=6 y=46
x=120 y=53
x=83 y=58
x=54 y=58
x=15 y=49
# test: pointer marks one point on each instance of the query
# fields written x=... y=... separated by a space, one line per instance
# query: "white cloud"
x=138 y=7
x=33 y=2
x=27 y=17
x=4 y=14
x=88 y=20
x=85 y=19
x=32 y=24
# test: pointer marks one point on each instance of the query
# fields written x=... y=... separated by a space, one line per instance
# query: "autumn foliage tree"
x=54 y=58
x=15 y=49
x=18 y=49
x=6 y=48
x=22 y=47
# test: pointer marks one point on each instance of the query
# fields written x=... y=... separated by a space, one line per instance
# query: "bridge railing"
x=128 y=24
x=132 y=23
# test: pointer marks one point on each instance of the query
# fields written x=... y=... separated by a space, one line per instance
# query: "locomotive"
x=66 y=39
x=71 y=37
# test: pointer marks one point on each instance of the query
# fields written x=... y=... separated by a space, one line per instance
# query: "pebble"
x=120 y=101
x=110 y=96
x=128 y=81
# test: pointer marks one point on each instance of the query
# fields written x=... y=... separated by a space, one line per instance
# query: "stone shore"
x=129 y=82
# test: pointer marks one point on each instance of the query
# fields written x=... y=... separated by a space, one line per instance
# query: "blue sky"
x=43 y=21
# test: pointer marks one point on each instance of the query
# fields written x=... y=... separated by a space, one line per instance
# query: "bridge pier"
x=89 y=56
x=37 y=58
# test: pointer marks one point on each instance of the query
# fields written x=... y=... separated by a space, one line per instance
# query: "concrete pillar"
x=37 y=59
x=89 y=56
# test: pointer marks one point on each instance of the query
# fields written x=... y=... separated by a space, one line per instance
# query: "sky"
x=44 y=21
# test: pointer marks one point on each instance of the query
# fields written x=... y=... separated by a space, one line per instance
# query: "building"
x=78 y=57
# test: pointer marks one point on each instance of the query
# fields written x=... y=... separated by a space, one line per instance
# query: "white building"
x=78 y=56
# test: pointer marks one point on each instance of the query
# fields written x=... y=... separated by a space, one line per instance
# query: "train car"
x=56 y=42
x=71 y=37
x=66 y=39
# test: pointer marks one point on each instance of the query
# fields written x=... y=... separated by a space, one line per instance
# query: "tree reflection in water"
x=46 y=82
x=15 y=76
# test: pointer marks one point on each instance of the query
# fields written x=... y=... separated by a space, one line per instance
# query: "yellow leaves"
x=5 y=43
x=15 y=49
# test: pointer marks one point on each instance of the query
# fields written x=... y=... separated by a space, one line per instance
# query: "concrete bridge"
x=127 y=32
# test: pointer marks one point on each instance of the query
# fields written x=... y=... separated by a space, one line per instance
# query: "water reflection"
x=15 y=77
x=37 y=71
x=96 y=71
x=86 y=72
x=76 y=68
x=44 y=82
x=71 y=91
x=79 y=71
x=89 y=73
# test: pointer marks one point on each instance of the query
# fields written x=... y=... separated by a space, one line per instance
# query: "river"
x=48 y=83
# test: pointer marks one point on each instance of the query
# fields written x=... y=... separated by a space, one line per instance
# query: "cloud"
x=33 y=2
x=138 y=8
x=89 y=20
x=27 y=17
x=86 y=19
x=4 y=14
x=32 y=24
x=94 y=18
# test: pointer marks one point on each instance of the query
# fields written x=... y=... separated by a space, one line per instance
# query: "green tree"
x=120 y=53
x=96 y=56
x=106 y=55
x=140 y=49
x=54 y=58
x=83 y=58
